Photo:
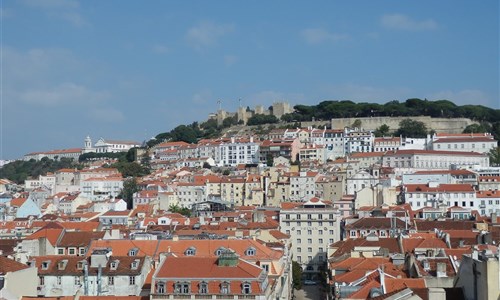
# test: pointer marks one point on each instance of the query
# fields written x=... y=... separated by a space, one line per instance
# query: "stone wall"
x=456 y=125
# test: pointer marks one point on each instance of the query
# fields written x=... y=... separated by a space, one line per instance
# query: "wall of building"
x=438 y=124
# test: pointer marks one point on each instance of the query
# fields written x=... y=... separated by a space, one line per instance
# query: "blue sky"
x=132 y=69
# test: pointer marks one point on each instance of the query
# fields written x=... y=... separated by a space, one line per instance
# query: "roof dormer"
x=133 y=252
x=114 y=264
x=45 y=265
x=191 y=251
x=61 y=265
x=135 y=264
x=250 y=251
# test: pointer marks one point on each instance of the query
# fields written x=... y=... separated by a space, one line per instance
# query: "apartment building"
x=312 y=226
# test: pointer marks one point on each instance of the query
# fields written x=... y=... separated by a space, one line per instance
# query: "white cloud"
x=67 y=10
x=64 y=94
x=230 y=60
x=404 y=22
x=160 y=49
x=320 y=35
x=467 y=96
x=207 y=34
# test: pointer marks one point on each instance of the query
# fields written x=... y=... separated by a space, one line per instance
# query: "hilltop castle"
x=278 y=109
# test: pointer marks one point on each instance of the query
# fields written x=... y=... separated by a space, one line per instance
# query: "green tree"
x=382 y=130
x=478 y=128
x=296 y=275
x=180 y=210
x=412 y=128
x=494 y=155
x=129 y=188
x=269 y=160
x=356 y=123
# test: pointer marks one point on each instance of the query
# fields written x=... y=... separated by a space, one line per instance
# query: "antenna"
x=220 y=104
x=239 y=102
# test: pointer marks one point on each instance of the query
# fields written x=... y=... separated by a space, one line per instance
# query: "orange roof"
x=17 y=202
x=205 y=267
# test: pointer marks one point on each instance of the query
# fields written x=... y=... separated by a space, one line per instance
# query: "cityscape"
x=166 y=150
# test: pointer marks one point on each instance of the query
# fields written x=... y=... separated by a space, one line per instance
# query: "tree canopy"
x=412 y=128
x=20 y=170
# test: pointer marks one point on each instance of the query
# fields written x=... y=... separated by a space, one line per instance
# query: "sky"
x=128 y=70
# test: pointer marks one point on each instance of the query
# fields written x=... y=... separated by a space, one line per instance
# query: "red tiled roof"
x=8 y=265
x=205 y=267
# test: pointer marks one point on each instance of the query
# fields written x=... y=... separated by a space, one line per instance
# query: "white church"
x=103 y=145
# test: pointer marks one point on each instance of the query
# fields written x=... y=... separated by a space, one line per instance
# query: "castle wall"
x=438 y=124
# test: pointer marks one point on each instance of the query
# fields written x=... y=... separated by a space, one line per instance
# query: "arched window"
x=246 y=288
x=160 y=287
x=224 y=288
x=219 y=251
x=250 y=251
x=190 y=251
x=203 y=288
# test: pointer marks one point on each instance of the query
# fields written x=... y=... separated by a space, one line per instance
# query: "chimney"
x=175 y=238
x=441 y=270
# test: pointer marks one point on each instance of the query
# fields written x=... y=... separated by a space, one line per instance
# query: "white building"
x=312 y=227
x=480 y=144
x=409 y=160
x=445 y=196
x=101 y=188
x=358 y=140
x=303 y=186
x=99 y=274
x=238 y=151
x=104 y=146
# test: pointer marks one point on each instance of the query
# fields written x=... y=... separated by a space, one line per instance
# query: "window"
x=133 y=252
x=60 y=251
x=45 y=265
x=320 y=232
x=82 y=251
x=77 y=280
x=190 y=251
x=299 y=250
x=160 y=288
x=309 y=232
x=219 y=251
x=250 y=251
x=299 y=241
x=224 y=288
x=58 y=280
x=134 y=264
x=111 y=280
x=320 y=241
x=309 y=223
x=309 y=250
x=246 y=289
x=309 y=241
x=299 y=232
x=309 y=258
x=330 y=232
x=265 y=267
x=203 y=289
x=41 y=280
x=131 y=280
x=114 y=265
